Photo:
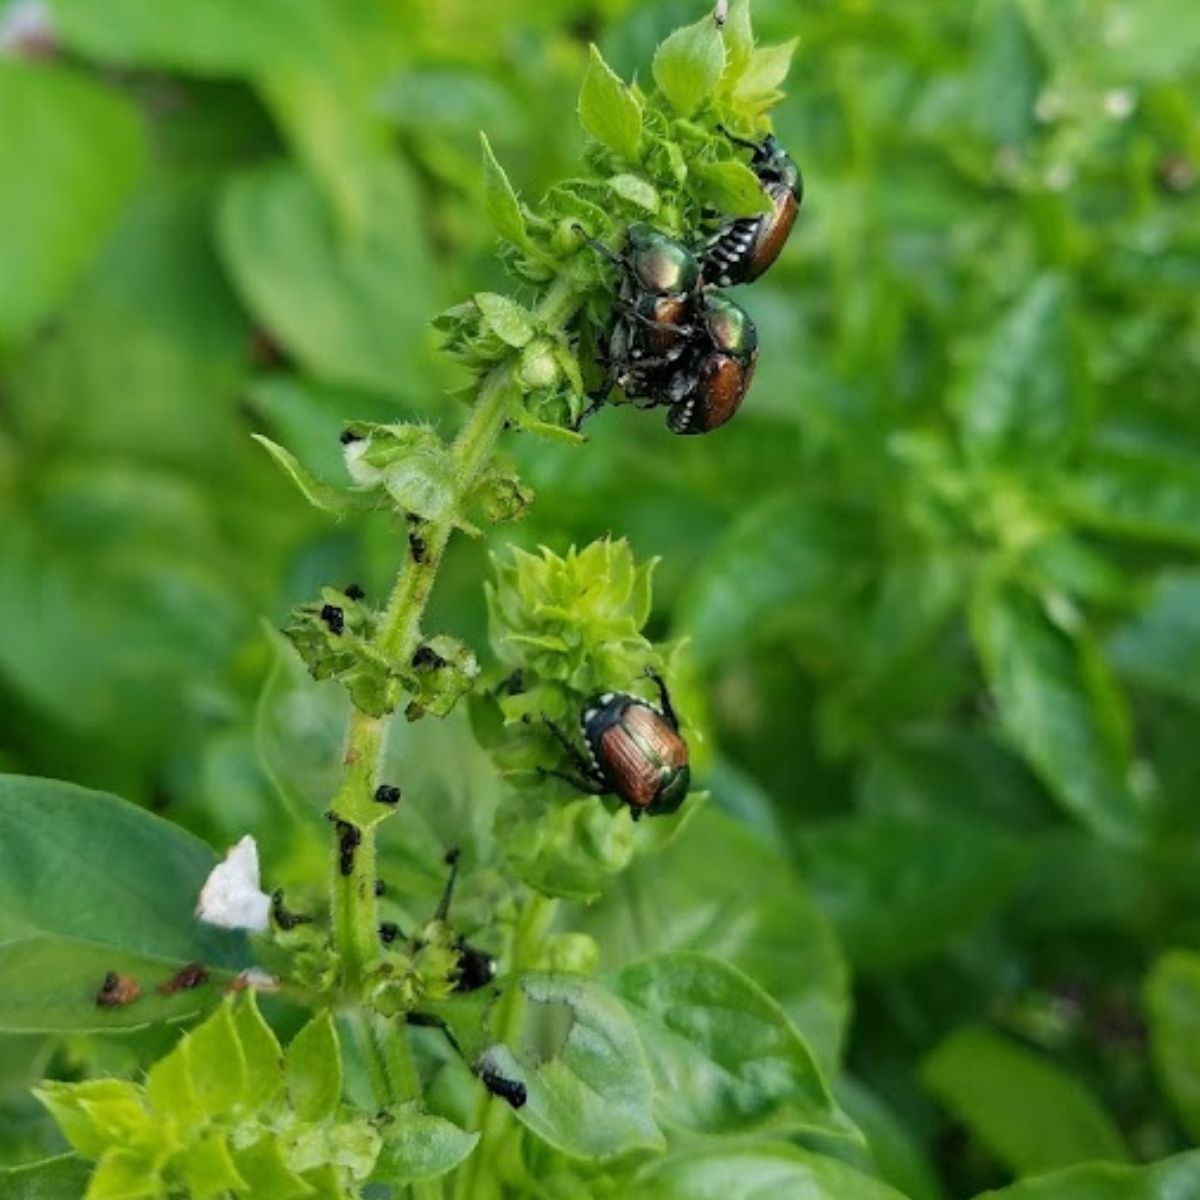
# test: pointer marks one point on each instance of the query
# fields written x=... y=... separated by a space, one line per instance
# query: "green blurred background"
x=939 y=577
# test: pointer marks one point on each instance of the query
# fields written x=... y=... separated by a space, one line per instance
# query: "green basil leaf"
x=1025 y=394
x=1061 y=709
x=85 y=865
x=724 y=1056
x=203 y=36
x=754 y=914
x=69 y=156
x=352 y=310
x=313 y=1067
x=1171 y=1179
x=503 y=207
x=1173 y=1008
x=1028 y=1112
x=608 y=110
x=688 y=65
x=61 y=1178
x=754 y=1172
x=421 y=1146
x=899 y=886
x=589 y=1091
x=49 y=984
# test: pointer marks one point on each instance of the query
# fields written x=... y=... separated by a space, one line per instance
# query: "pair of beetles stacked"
x=677 y=341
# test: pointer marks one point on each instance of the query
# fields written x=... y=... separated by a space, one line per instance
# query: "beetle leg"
x=582 y=782
x=600 y=248
x=740 y=141
x=631 y=311
x=443 y=907
x=580 y=763
x=596 y=401
x=664 y=694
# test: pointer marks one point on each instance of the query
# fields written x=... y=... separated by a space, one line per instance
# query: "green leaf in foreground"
x=753 y=913
x=724 y=1056
x=421 y=1146
x=688 y=65
x=61 y=1178
x=1029 y=1113
x=755 y=1173
x=1172 y=1179
x=49 y=984
x=1173 y=1009
x=1061 y=709
x=314 y=1069
x=733 y=188
x=318 y=493
x=579 y=1056
x=608 y=110
x=84 y=864
x=501 y=201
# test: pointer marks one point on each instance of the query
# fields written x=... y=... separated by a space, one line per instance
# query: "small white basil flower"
x=354 y=449
x=231 y=897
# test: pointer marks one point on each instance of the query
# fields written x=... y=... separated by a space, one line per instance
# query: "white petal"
x=231 y=897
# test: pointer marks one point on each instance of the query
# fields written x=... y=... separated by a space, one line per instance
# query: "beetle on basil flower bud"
x=635 y=752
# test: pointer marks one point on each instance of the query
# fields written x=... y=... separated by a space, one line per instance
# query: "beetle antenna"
x=598 y=246
x=740 y=141
x=443 y=907
x=665 y=697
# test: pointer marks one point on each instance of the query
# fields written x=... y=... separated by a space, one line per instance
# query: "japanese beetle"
x=745 y=247
x=652 y=312
x=710 y=388
x=635 y=752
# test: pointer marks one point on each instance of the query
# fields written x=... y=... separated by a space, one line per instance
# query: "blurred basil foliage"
x=939 y=578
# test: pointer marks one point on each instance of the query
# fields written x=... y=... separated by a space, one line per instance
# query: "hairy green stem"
x=354 y=810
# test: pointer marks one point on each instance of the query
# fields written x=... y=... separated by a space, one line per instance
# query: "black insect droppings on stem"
x=284 y=917
x=354 y=592
x=334 y=618
x=349 y=836
x=348 y=437
x=380 y=887
x=388 y=793
x=389 y=931
x=427 y=658
x=417 y=547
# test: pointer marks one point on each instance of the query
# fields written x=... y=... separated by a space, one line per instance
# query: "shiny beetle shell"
x=638 y=753
x=745 y=248
x=659 y=264
x=723 y=373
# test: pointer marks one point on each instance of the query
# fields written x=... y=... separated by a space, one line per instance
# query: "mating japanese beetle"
x=707 y=392
x=635 y=752
x=653 y=309
x=745 y=247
